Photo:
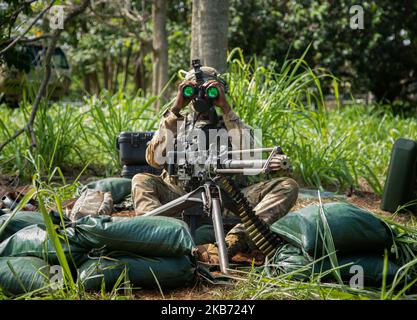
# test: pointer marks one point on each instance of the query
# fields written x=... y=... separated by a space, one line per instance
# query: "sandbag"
x=373 y=266
x=92 y=203
x=204 y=234
x=354 y=230
x=23 y=274
x=291 y=259
x=147 y=236
x=170 y=272
x=120 y=188
x=34 y=241
x=20 y=220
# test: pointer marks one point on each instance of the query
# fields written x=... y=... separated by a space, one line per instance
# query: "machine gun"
x=207 y=174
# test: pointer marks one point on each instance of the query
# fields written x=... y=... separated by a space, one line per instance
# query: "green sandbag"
x=373 y=267
x=204 y=234
x=23 y=274
x=170 y=272
x=354 y=230
x=120 y=188
x=291 y=259
x=23 y=219
x=20 y=220
x=34 y=241
x=147 y=236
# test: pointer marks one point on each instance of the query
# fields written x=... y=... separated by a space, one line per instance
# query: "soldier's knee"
x=286 y=183
x=291 y=184
x=141 y=179
x=289 y=187
x=142 y=182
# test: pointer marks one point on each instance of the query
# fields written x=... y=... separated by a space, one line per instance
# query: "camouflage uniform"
x=271 y=199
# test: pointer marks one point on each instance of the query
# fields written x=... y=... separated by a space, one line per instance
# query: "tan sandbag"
x=92 y=203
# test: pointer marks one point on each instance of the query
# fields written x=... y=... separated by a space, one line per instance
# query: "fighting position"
x=199 y=95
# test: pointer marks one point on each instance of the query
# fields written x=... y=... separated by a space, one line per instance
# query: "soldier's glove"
x=280 y=163
x=208 y=253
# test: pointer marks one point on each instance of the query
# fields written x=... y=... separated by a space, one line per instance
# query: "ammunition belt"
x=258 y=230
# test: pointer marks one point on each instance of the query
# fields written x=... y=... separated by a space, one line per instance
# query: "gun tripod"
x=209 y=196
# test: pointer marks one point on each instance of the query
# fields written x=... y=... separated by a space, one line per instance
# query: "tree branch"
x=34 y=39
x=18 y=11
x=40 y=94
x=40 y=15
x=14 y=136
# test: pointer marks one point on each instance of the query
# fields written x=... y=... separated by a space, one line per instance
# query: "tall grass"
x=74 y=135
x=106 y=116
x=330 y=148
x=335 y=148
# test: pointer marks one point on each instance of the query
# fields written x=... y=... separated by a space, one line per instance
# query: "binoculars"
x=212 y=92
x=203 y=97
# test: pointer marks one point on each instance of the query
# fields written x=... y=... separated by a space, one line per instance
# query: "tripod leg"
x=219 y=233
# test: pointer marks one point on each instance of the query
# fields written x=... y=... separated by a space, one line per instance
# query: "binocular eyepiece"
x=203 y=100
x=212 y=92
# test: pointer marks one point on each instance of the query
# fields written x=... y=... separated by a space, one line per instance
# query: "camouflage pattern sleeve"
x=157 y=146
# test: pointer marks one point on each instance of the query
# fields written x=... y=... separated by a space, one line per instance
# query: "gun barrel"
x=240 y=164
x=254 y=150
x=8 y=202
x=243 y=170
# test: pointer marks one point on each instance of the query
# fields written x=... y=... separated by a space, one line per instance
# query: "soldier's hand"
x=181 y=102
x=281 y=163
x=221 y=100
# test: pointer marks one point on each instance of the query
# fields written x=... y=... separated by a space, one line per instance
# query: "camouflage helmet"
x=209 y=73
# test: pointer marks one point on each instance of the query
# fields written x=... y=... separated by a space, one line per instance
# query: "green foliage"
x=380 y=58
x=8 y=17
x=71 y=136
x=328 y=147
x=106 y=117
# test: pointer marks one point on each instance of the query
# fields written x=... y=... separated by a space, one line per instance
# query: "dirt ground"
x=206 y=291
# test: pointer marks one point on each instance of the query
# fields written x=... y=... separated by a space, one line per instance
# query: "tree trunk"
x=126 y=70
x=96 y=81
x=138 y=73
x=160 y=48
x=209 y=32
x=105 y=73
x=110 y=70
x=118 y=68
x=86 y=81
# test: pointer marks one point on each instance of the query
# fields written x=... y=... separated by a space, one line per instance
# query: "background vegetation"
x=330 y=147
x=106 y=46
x=294 y=68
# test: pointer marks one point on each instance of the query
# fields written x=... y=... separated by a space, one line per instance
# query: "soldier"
x=270 y=199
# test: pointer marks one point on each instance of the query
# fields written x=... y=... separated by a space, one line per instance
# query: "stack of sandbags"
x=146 y=251
x=335 y=237
x=149 y=251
